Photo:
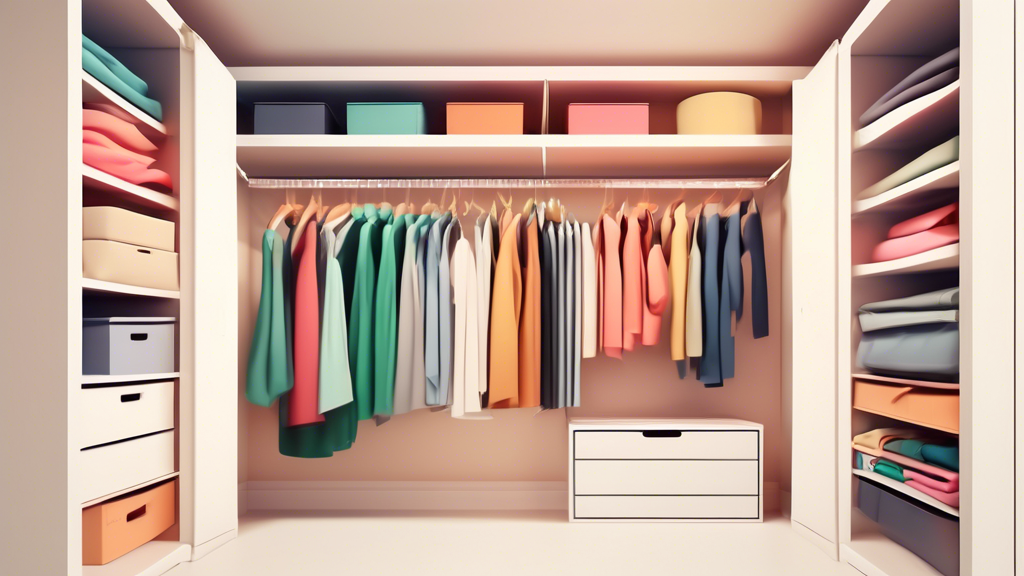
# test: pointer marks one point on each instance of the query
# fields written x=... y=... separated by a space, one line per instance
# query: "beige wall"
x=519 y=444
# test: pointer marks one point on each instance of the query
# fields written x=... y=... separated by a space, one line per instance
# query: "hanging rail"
x=713 y=183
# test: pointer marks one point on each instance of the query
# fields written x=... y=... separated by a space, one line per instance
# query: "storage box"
x=113 y=413
x=120 y=225
x=719 y=113
x=386 y=118
x=294 y=118
x=126 y=264
x=127 y=345
x=932 y=535
x=116 y=527
x=485 y=118
x=931 y=407
x=112 y=467
x=664 y=470
x=609 y=119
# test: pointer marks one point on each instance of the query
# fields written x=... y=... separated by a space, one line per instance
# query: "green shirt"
x=268 y=375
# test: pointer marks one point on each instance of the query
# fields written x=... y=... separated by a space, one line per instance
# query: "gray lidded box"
x=934 y=536
x=117 y=346
x=294 y=118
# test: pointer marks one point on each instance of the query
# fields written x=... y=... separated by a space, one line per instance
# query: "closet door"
x=210 y=324
x=809 y=293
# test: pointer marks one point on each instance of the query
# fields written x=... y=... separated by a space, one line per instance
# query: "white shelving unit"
x=124 y=378
x=944 y=258
x=914 y=192
x=908 y=491
x=926 y=119
x=95 y=91
x=125 y=192
x=128 y=489
x=90 y=285
x=150 y=559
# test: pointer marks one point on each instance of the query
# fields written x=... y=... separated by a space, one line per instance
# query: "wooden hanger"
x=310 y=211
x=286 y=210
x=554 y=211
x=336 y=214
x=528 y=206
x=453 y=207
x=506 y=203
x=472 y=204
x=429 y=207
x=494 y=210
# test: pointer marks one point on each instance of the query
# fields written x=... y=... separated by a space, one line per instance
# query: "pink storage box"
x=609 y=119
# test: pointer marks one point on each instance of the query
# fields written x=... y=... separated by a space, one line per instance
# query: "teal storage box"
x=386 y=118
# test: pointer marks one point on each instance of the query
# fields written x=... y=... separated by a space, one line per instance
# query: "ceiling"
x=518 y=32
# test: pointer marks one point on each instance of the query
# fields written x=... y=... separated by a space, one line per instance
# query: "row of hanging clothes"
x=371 y=311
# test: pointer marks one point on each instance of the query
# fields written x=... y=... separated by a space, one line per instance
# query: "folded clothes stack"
x=927 y=463
x=922 y=233
x=108 y=70
x=915 y=337
x=116 y=146
x=934 y=75
x=942 y=155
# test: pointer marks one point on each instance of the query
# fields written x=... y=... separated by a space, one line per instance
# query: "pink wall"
x=520 y=444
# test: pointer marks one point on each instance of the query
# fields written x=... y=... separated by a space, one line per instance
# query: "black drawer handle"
x=137 y=513
x=141 y=251
x=139 y=337
x=662 y=433
x=131 y=397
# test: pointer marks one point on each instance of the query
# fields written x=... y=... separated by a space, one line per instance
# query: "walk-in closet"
x=684 y=288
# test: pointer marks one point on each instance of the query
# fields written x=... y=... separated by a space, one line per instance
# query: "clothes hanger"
x=454 y=208
x=337 y=214
x=734 y=205
x=429 y=207
x=472 y=204
x=554 y=211
x=286 y=210
x=310 y=211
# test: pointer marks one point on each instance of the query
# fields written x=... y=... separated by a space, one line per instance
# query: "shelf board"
x=929 y=119
x=914 y=422
x=511 y=156
x=123 y=378
x=944 y=258
x=874 y=554
x=113 y=288
x=106 y=497
x=95 y=91
x=150 y=559
x=907 y=381
x=98 y=180
x=912 y=194
x=908 y=491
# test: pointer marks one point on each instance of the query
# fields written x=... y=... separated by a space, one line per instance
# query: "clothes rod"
x=505 y=183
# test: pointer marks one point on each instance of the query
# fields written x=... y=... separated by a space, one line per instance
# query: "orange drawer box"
x=931 y=407
x=116 y=527
x=485 y=118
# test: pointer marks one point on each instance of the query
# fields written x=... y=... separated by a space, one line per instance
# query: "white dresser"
x=661 y=469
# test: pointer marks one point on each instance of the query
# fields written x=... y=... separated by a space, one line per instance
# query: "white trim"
x=211 y=545
x=824 y=544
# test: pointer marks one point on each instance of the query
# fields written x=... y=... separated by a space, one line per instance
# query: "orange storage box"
x=485 y=117
x=932 y=407
x=116 y=527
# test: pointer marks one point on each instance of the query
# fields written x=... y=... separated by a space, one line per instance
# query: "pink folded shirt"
x=123 y=166
x=922 y=233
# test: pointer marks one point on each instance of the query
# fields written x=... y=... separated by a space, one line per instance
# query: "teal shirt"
x=108 y=70
x=362 y=321
x=268 y=375
x=385 y=338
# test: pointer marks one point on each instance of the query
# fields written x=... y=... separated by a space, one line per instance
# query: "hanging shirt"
x=597 y=235
x=589 y=293
x=465 y=372
x=305 y=394
x=561 y=322
x=529 y=326
x=694 y=298
x=732 y=293
x=410 y=317
x=484 y=244
x=632 y=283
x=753 y=242
x=658 y=289
x=506 y=303
x=431 y=321
x=549 y=315
x=362 y=321
x=269 y=375
x=335 y=378
x=612 y=289
x=452 y=234
x=386 y=317
x=678 y=268
x=711 y=361
x=577 y=245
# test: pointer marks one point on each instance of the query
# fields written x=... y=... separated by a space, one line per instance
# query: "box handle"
x=143 y=251
x=140 y=336
x=662 y=433
x=131 y=397
x=136 y=514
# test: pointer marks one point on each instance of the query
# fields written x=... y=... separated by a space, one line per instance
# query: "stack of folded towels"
x=925 y=462
x=933 y=76
x=916 y=337
x=108 y=70
x=928 y=231
x=113 y=144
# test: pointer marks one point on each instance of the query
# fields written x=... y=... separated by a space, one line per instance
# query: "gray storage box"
x=294 y=118
x=932 y=535
x=116 y=346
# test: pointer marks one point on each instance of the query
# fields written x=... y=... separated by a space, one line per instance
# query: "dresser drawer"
x=676 y=477
x=107 y=469
x=666 y=444
x=668 y=507
x=120 y=412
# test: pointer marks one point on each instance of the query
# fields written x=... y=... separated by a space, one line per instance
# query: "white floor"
x=493 y=543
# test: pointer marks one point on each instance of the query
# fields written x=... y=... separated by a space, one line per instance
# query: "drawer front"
x=675 y=477
x=667 y=444
x=119 y=412
x=667 y=507
x=126 y=264
x=141 y=348
x=114 y=467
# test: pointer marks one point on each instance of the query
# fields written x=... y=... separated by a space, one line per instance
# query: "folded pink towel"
x=123 y=167
x=116 y=129
x=92 y=137
x=916 y=243
x=935 y=218
x=950 y=498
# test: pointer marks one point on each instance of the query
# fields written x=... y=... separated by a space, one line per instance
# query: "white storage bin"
x=113 y=467
x=115 y=413
x=120 y=225
x=122 y=263
x=114 y=346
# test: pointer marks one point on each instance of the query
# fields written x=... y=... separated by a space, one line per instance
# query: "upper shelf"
x=518 y=156
x=944 y=258
x=99 y=180
x=915 y=193
x=928 y=120
x=102 y=286
x=95 y=91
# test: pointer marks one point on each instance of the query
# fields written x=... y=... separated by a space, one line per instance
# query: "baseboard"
x=211 y=545
x=827 y=546
x=342 y=495
x=243 y=498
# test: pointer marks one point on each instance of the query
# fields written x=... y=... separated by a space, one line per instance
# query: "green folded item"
x=947 y=457
x=95 y=66
x=943 y=154
x=115 y=66
x=889 y=470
